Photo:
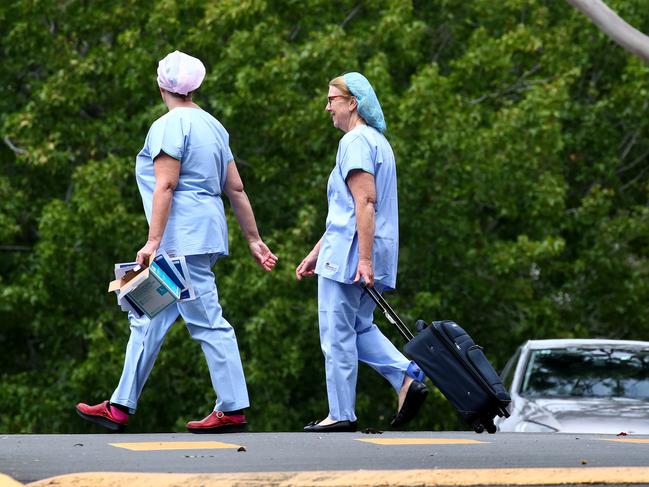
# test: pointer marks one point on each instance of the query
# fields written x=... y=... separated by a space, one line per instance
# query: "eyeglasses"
x=330 y=99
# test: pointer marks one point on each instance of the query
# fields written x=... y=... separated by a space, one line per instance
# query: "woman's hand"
x=262 y=254
x=365 y=272
x=307 y=266
x=145 y=252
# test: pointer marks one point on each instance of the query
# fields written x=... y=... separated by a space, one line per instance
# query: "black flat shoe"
x=415 y=397
x=344 y=426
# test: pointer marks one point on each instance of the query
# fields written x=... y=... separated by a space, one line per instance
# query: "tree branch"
x=628 y=143
x=351 y=15
x=613 y=26
x=519 y=85
x=445 y=36
x=294 y=33
x=630 y=183
x=634 y=163
x=14 y=148
x=15 y=248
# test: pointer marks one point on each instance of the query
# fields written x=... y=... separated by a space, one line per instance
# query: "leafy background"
x=521 y=136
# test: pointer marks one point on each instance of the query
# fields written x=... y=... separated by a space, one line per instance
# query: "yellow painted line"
x=363 y=478
x=174 y=445
x=420 y=441
x=6 y=481
x=628 y=440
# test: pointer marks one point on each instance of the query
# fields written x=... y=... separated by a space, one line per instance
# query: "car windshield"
x=587 y=372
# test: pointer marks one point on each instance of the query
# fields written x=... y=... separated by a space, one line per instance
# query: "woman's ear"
x=353 y=105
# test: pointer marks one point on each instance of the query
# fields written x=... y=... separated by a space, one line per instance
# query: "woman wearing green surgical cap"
x=360 y=244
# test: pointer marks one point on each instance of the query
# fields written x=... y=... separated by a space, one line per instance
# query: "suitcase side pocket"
x=479 y=361
x=456 y=339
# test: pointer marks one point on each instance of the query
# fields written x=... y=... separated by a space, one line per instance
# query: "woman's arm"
x=243 y=212
x=306 y=268
x=167 y=171
x=361 y=184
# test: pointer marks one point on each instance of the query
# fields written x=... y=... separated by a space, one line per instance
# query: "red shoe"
x=217 y=422
x=103 y=415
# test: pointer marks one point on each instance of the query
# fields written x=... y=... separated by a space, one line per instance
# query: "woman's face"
x=339 y=108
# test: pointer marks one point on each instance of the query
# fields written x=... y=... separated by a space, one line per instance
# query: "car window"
x=581 y=372
x=507 y=375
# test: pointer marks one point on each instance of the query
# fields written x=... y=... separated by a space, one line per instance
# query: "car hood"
x=603 y=416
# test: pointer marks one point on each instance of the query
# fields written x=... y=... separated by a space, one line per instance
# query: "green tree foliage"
x=521 y=139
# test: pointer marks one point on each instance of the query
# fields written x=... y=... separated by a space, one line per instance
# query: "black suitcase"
x=456 y=365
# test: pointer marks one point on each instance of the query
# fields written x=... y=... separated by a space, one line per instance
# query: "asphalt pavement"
x=335 y=459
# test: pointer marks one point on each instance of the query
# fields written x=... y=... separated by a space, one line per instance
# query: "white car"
x=578 y=386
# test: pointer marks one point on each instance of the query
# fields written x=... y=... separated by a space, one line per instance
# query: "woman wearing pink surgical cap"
x=180 y=73
x=182 y=171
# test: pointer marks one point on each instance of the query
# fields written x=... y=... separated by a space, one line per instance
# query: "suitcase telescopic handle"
x=389 y=313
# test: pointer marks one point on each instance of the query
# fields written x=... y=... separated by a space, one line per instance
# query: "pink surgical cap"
x=180 y=73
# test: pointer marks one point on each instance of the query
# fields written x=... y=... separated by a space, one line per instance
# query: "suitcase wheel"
x=479 y=425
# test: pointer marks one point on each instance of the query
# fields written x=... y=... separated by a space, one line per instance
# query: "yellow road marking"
x=628 y=440
x=6 y=481
x=363 y=478
x=174 y=445
x=420 y=441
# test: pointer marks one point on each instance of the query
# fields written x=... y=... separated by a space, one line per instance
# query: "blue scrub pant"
x=347 y=335
x=206 y=325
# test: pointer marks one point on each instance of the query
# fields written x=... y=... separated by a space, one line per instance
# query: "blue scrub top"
x=367 y=149
x=196 y=222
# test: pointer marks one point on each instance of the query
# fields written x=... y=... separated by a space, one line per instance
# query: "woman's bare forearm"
x=162 y=197
x=365 y=226
x=242 y=210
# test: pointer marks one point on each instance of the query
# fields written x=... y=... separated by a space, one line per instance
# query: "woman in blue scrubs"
x=360 y=244
x=182 y=172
